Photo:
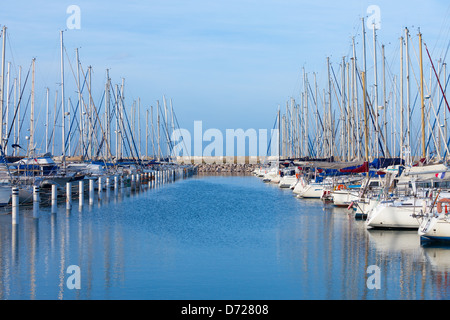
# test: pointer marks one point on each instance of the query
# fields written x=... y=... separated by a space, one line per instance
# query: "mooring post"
x=81 y=193
x=68 y=195
x=54 y=198
x=15 y=205
x=108 y=187
x=100 y=187
x=91 y=191
x=35 y=202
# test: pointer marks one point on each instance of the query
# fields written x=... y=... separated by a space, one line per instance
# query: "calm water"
x=213 y=237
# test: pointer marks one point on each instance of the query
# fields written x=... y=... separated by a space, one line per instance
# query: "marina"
x=304 y=157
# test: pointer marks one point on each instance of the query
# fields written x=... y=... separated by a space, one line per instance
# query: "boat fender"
x=439 y=205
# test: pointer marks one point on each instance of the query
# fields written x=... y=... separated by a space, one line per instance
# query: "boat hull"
x=287 y=182
x=344 y=198
x=310 y=191
x=387 y=215
x=435 y=229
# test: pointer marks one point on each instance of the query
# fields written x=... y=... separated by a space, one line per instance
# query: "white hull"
x=364 y=207
x=343 y=198
x=287 y=181
x=395 y=215
x=271 y=176
x=435 y=228
x=312 y=190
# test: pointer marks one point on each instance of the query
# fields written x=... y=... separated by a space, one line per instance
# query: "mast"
x=2 y=84
x=173 y=122
x=54 y=123
x=365 y=92
x=331 y=137
x=47 y=120
x=153 y=133
x=90 y=113
x=279 y=137
x=165 y=120
x=324 y=127
x=79 y=102
x=364 y=47
x=19 y=94
x=63 y=132
x=305 y=115
x=376 y=91
x=107 y=108
x=366 y=133
x=355 y=102
x=31 y=142
x=349 y=117
x=317 y=109
x=146 y=134
x=424 y=154
x=7 y=107
x=69 y=147
x=159 y=136
x=14 y=124
x=117 y=122
x=401 y=99
x=139 y=127
x=344 y=148
x=393 y=113
x=384 y=104
x=408 y=101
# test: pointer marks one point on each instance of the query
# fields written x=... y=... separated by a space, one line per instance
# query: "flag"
x=440 y=175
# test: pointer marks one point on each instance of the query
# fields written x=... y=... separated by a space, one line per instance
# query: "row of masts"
x=109 y=130
x=349 y=120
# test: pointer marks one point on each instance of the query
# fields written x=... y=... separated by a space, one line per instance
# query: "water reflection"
x=212 y=237
x=35 y=254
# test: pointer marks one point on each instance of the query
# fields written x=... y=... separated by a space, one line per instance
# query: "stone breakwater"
x=226 y=168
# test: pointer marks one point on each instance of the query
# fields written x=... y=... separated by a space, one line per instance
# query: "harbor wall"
x=226 y=168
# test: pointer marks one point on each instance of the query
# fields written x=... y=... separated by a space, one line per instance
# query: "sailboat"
x=435 y=225
x=415 y=193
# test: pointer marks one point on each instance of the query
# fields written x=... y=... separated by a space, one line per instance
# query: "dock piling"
x=15 y=206
x=35 y=202
x=81 y=193
x=68 y=195
x=54 y=197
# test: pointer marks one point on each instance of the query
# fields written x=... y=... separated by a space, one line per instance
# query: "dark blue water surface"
x=213 y=237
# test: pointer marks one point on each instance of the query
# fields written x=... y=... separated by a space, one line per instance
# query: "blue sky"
x=227 y=63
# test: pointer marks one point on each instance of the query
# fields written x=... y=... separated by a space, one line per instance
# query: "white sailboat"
x=435 y=225
x=289 y=178
x=416 y=185
x=311 y=189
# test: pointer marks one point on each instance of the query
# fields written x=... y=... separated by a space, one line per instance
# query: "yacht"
x=435 y=225
x=288 y=178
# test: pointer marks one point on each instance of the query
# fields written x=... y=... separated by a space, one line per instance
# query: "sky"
x=228 y=63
